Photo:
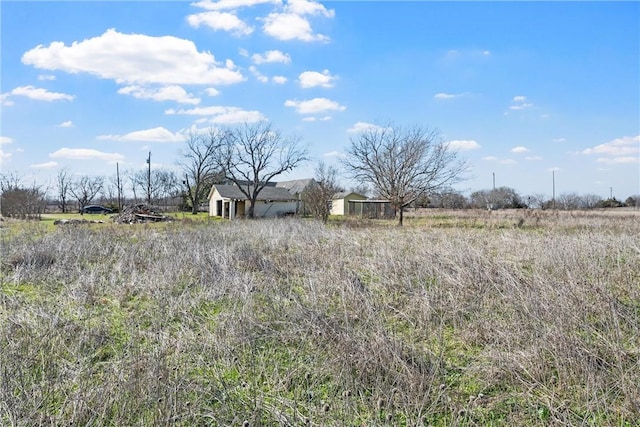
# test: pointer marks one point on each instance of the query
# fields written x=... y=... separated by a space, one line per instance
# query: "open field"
x=459 y=318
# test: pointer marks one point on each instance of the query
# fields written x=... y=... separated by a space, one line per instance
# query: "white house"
x=228 y=201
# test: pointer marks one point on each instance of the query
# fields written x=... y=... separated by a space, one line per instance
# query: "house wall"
x=213 y=210
x=274 y=209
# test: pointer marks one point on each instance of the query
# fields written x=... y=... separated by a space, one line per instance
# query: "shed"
x=372 y=209
x=228 y=201
x=340 y=202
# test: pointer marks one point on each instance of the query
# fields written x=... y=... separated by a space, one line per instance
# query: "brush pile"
x=139 y=213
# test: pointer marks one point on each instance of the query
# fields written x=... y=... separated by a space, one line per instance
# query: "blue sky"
x=521 y=89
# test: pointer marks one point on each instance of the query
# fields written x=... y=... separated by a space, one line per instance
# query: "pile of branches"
x=76 y=221
x=139 y=213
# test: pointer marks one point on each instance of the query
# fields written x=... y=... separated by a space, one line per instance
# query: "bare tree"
x=569 y=201
x=155 y=185
x=19 y=201
x=252 y=155
x=591 y=201
x=199 y=166
x=537 y=201
x=402 y=163
x=63 y=184
x=85 y=188
x=498 y=198
x=317 y=196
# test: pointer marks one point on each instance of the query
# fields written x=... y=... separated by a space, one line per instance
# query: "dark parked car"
x=96 y=209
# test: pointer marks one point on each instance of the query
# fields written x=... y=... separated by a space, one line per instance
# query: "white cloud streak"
x=40 y=94
x=167 y=93
x=157 y=134
x=463 y=145
x=232 y=4
x=221 y=114
x=271 y=56
x=618 y=151
x=443 y=95
x=314 y=106
x=362 y=126
x=85 y=154
x=46 y=165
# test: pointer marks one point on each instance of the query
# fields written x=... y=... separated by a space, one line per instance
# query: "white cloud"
x=258 y=75
x=337 y=154
x=46 y=77
x=236 y=116
x=212 y=91
x=618 y=160
x=533 y=158
x=158 y=134
x=221 y=114
x=519 y=149
x=271 y=56
x=501 y=161
x=289 y=26
x=520 y=103
x=167 y=93
x=85 y=154
x=46 y=165
x=362 y=126
x=231 y=4
x=220 y=21
x=314 y=106
x=67 y=124
x=279 y=79
x=521 y=106
x=307 y=7
x=618 y=151
x=443 y=95
x=559 y=140
x=134 y=59
x=4 y=156
x=308 y=79
x=463 y=144
x=5 y=140
x=4 y=100
x=40 y=94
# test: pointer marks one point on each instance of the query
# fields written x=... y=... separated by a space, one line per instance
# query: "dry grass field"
x=469 y=318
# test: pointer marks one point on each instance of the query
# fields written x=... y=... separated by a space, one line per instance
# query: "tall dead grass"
x=289 y=322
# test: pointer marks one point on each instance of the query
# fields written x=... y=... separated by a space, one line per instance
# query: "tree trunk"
x=401 y=218
x=251 y=210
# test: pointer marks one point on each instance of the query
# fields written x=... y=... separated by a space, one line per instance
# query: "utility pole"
x=494 y=181
x=553 y=197
x=119 y=187
x=149 y=180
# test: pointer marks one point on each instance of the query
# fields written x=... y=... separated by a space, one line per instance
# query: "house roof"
x=267 y=193
x=295 y=186
x=345 y=194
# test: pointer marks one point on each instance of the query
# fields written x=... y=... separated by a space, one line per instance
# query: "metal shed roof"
x=267 y=193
